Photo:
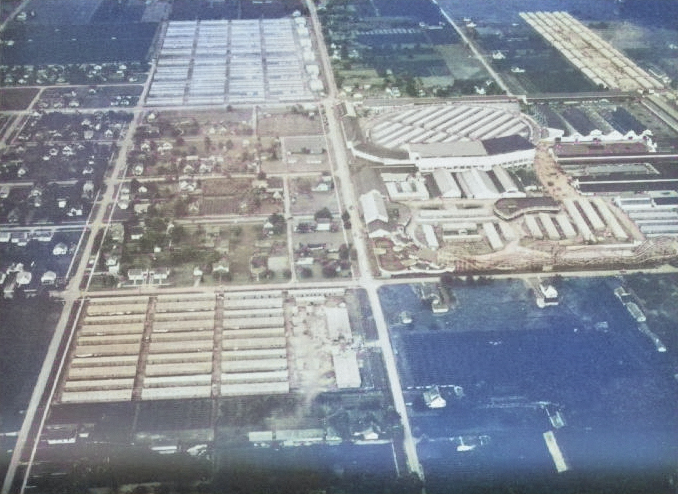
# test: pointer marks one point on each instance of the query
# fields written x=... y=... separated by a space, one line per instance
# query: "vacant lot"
x=14 y=99
x=289 y=124
x=305 y=201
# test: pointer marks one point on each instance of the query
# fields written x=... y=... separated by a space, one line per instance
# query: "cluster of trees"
x=279 y=223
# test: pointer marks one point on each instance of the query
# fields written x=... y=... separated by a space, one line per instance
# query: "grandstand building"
x=456 y=137
x=508 y=152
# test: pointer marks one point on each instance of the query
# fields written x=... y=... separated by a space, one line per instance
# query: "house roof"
x=373 y=149
x=374 y=207
x=445 y=181
x=377 y=225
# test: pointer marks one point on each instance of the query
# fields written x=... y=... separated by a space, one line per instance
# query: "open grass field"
x=15 y=99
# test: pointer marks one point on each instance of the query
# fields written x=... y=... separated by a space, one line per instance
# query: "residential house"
x=60 y=249
x=160 y=274
x=136 y=232
x=113 y=265
x=135 y=275
x=116 y=232
x=48 y=278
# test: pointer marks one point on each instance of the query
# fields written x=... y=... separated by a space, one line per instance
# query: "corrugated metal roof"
x=507 y=144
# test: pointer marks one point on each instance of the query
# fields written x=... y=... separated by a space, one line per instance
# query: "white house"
x=48 y=278
x=60 y=249
x=374 y=207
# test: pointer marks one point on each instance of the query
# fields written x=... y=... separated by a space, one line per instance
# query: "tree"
x=134 y=185
x=278 y=222
x=178 y=233
x=323 y=213
x=329 y=270
x=447 y=279
x=181 y=207
x=344 y=252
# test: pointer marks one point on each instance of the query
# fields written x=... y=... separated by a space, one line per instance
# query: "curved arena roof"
x=446 y=123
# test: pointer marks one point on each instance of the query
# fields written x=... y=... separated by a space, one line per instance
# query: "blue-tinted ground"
x=26 y=327
x=346 y=468
x=63 y=12
x=419 y=10
x=500 y=28
x=617 y=394
x=188 y=10
x=79 y=31
x=653 y=13
x=63 y=44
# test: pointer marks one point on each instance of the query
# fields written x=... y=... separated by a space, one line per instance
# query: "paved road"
x=289 y=227
x=354 y=283
x=367 y=280
x=472 y=46
x=364 y=278
x=22 y=6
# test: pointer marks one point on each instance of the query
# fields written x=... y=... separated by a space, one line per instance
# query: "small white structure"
x=48 y=278
x=346 y=369
x=430 y=236
x=338 y=324
x=60 y=249
x=407 y=190
x=547 y=295
x=23 y=278
x=433 y=399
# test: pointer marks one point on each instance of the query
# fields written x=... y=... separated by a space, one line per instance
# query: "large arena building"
x=455 y=137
